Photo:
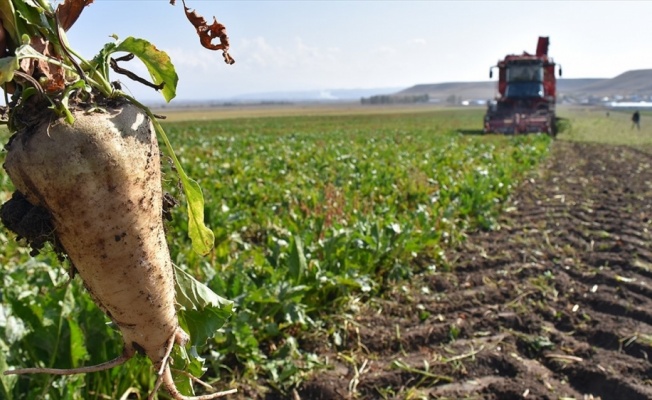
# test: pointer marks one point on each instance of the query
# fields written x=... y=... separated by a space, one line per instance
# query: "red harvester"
x=526 y=94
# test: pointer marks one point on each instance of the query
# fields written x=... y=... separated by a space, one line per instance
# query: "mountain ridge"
x=633 y=83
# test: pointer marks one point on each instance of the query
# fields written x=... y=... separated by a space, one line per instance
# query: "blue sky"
x=319 y=45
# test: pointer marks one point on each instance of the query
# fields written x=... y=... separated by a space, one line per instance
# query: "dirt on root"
x=557 y=303
x=34 y=224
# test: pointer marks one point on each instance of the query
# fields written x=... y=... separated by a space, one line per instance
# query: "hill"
x=442 y=91
x=630 y=84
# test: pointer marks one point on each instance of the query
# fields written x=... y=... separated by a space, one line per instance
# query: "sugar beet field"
x=387 y=255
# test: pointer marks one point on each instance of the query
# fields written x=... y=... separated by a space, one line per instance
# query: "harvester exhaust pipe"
x=542 y=46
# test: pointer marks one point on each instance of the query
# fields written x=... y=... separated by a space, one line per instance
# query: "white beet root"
x=100 y=179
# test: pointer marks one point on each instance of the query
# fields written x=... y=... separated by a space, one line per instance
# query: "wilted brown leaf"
x=51 y=76
x=209 y=32
x=69 y=11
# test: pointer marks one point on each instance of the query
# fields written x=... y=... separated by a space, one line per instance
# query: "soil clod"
x=34 y=224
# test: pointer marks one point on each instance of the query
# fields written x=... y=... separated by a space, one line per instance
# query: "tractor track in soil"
x=556 y=303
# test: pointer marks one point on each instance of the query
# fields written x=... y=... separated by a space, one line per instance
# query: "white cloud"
x=418 y=41
x=258 y=53
x=385 y=51
x=198 y=59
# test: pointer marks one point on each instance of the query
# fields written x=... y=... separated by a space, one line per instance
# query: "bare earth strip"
x=557 y=303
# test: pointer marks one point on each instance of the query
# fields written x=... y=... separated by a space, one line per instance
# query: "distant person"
x=636 y=120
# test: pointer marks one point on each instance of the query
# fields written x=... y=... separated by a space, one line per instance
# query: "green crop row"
x=310 y=214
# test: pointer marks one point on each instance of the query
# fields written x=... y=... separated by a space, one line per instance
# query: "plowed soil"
x=557 y=303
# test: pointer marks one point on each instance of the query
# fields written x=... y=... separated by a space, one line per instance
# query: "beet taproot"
x=100 y=181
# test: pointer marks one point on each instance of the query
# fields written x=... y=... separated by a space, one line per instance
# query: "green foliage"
x=314 y=211
x=201 y=237
x=157 y=62
x=310 y=215
x=201 y=311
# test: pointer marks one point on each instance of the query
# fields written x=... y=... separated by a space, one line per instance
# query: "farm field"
x=553 y=305
x=387 y=254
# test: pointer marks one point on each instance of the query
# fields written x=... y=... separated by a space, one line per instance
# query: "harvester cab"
x=525 y=101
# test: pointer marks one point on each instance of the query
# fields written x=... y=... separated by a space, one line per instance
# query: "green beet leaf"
x=7 y=382
x=158 y=64
x=8 y=17
x=78 y=351
x=297 y=262
x=201 y=236
x=8 y=65
x=202 y=311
